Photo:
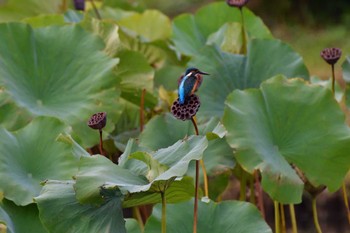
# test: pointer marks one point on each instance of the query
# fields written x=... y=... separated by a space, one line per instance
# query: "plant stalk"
x=252 y=189
x=244 y=37
x=293 y=219
x=277 y=217
x=260 y=201
x=345 y=196
x=243 y=186
x=142 y=109
x=163 y=211
x=314 y=213
x=283 y=219
x=138 y=217
x=101 y=142
x=195 y=210
x=333 y=80
x=95 y=10
x=205 y=178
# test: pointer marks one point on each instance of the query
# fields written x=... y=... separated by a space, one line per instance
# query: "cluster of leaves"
x=60 y=67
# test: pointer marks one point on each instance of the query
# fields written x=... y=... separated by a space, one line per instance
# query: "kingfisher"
x=189 y=83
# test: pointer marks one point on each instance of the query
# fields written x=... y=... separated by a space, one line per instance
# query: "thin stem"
x=277 y=218
x=283 y=219
x=195 y=125
x=195 y=211
x=137 y=214
x=243 y=186
x=205 y=178
x=293 y=219
x=95 y=9
x=333 y=79
x=260 y=194
x=163 y=211
x=252 y=190
x=244 y=37
x=345 y=196
x=101 y=142
x=142 y=109
x=314 y=213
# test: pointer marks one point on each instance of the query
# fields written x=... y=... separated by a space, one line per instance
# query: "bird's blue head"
x=194 y=71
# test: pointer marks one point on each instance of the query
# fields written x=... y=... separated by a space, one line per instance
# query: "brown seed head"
x=331 y=55
x=98 y=120
x=237 y=3
x=187 y=110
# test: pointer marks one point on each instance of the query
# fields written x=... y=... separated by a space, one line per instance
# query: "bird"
x=189 y=83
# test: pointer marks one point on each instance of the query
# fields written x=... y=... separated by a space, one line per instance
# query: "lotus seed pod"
x=98 y=120
x=187 y=110
x=79 y=5
x=237 y=3
x=331 y=55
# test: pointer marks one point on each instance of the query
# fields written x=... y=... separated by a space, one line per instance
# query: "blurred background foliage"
x=308 y=25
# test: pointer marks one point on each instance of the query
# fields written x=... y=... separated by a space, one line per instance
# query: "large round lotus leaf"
x=289 y=122
x=190 y=32
x=227 y=216
x=150 y=25
x=20 y=219
x=12 y=10
x=61 y=212
x=31 y=155
x=54 y=71
x=159 y=166
x=265 y=59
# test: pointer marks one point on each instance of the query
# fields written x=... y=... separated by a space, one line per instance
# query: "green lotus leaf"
x=13 y=10
x=20 y=219
x=164 y=130
x=97 y=171
x=77 y=150
x=226 y=216
x=151 y=25
x=132 y=226
x=190 y=32
x=61 y=212
x=178 y=191
x=228 y=38
x=139 y=77
x=45 y=20
x=229 y=72
x=71 y=16
x=12 y=117
x=289 y=122
x=218 y=155
x=107 y=30
x=30 y=156
x=61 y=79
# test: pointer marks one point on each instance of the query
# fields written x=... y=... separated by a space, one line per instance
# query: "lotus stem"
x=252 y=190
x=195 y=210
x=243 y=186
x=95 y=9
x=345 y=196
x=283 y=219
x=101 y=142
x=277 y=217
x=293 y=218
x=244 y=37
x=138 y=217
x=333 y=80
x=314 y=213
x=205 y=178
x=260 y=201
x=163 y=211
x=142 y=109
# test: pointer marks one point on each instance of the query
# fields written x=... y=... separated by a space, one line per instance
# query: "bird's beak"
x=204 y=73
